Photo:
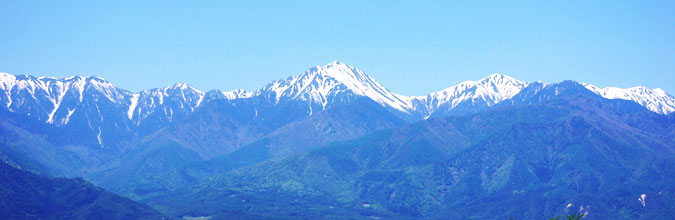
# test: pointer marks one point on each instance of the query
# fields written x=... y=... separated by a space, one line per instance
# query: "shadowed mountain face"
x=333 y=143
x=172 y=157
x=29 y=196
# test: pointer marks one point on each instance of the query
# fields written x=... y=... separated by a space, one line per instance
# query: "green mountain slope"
x=24 y=195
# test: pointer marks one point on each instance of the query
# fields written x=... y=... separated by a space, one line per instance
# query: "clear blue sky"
x=412 y=48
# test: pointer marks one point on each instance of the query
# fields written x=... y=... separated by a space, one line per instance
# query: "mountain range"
x=332 y=142
x=56 y=101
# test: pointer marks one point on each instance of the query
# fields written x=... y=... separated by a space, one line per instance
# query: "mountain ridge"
x=55 y=100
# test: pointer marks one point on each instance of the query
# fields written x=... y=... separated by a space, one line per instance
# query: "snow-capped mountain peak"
x=497 y=87
x=183 y=87
x=109 y=90
x=655 y=100
x=179 y=97
x=187 y=93
x=332 y=82
x=487 y=91
x=43 y=96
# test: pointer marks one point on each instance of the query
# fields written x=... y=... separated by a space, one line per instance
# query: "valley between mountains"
x=332 y=143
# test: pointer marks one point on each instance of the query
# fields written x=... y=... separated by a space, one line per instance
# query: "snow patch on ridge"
x=98 y=137
x=67 y=118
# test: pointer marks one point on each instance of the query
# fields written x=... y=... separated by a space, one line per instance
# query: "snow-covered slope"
x=332 y=83
x=474 y=94
x=165 y=103
x=102 y=111
x=655 y=100
x=55 y=100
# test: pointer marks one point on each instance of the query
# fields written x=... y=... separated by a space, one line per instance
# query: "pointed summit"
x=351 y=77
x=337 y=70
x=179 y=86
x=333 y=82
x=495 y=76
x=183 y=87
x=334 y=62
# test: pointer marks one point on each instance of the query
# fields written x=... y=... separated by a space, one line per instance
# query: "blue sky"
x=412 y=48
